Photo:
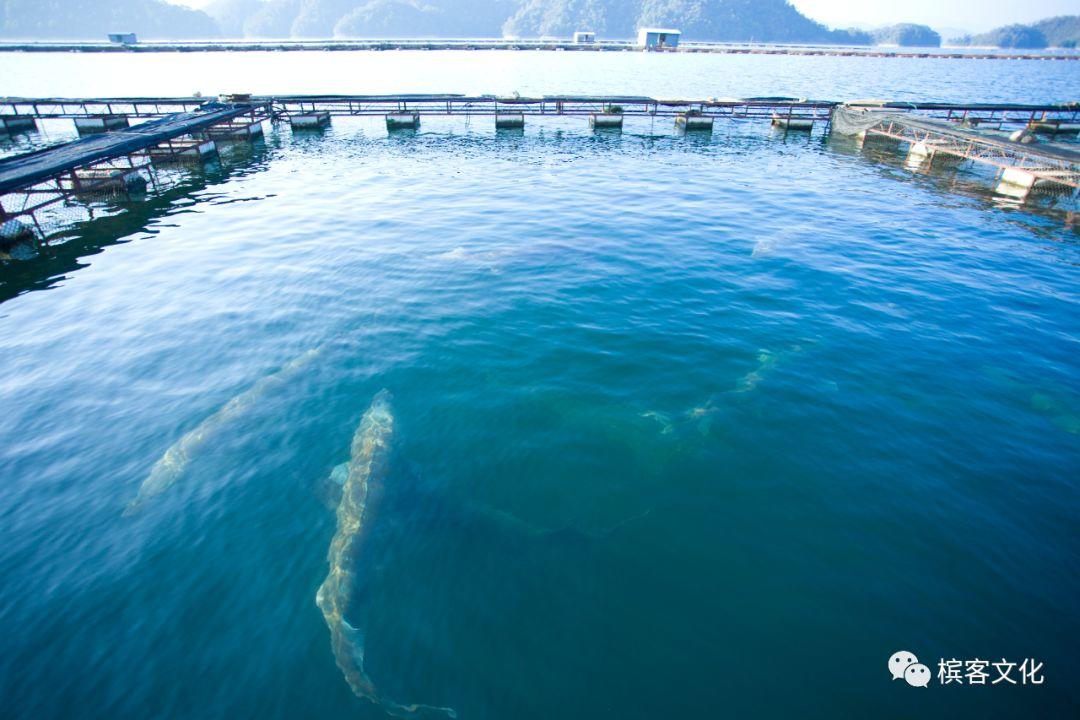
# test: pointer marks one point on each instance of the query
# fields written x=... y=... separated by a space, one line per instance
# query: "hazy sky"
x=975 y=15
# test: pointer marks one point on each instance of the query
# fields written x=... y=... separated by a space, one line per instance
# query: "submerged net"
x=854 y=120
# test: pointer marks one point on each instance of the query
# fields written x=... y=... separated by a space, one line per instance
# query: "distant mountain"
x=907 y=35
x=544 y=18
x=1061 y=31
x=231 y=15
x=699 y=20
x=735 y=20
x=1023 y=37
x=273 y=20
x=423 y=18
x=93 y=19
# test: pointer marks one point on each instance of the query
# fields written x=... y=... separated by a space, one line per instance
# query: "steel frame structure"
x=45 y=108
x=630 y=106
x=937 y=126
x=991 y=116
x=284 y=106
x=103 y=175
x=69 y=185
x=1003 y=155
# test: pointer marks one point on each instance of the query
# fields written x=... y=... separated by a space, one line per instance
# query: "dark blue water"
x=684 y=426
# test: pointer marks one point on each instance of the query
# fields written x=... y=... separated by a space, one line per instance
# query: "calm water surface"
x=686 y=426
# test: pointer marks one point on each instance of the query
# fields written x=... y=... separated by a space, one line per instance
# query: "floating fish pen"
x=1021 y=167
x=120 y=159
x=513 y=110
x=407 y=110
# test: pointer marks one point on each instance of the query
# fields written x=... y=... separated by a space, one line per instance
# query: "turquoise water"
x=683 y=426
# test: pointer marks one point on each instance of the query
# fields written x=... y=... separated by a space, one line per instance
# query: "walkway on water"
x=285 y=106
x=549 y=45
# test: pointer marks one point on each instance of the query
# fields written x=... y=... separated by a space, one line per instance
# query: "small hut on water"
x=658 y=38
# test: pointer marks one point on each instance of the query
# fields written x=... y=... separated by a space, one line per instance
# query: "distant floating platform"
x=748 y=48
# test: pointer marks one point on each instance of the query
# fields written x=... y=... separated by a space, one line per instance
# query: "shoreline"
x=523 y=45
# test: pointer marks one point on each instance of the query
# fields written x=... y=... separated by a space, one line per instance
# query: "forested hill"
x=730 y=20
x=736 y=20
x=700 y=20
x=1062 y=31
x=93 y=19
x=762 y=20
x=907 y=35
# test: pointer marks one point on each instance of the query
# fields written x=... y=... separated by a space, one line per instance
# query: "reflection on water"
x=108 y=222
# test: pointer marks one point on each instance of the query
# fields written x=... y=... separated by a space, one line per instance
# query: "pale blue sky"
x=974 y=15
